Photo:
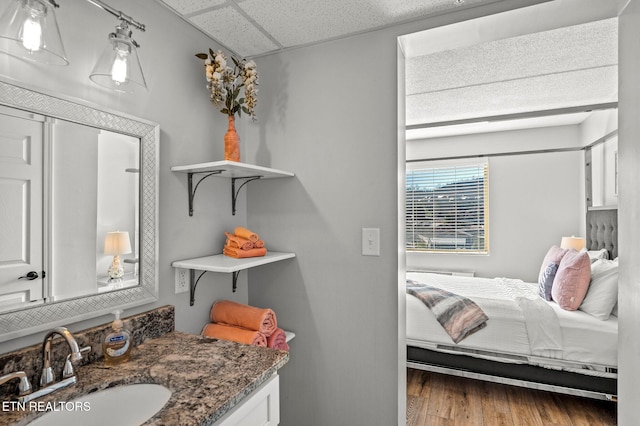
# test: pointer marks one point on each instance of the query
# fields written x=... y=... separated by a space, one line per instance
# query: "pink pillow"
x=554 y=255
x=572 y=280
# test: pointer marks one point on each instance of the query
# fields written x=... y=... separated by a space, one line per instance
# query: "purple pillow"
x=554 y=255
x=572 y=280
x=545 y=282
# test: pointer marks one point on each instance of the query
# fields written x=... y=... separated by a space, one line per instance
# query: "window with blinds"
x=447 y=207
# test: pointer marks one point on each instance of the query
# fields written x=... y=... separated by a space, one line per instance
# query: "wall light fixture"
x=29 y=29
x=119 y=67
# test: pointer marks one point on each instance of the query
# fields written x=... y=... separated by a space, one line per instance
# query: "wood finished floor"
x=436 y=399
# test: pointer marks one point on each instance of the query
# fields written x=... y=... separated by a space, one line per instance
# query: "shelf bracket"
x=192 y=189
x=193 y=282
x=234 y=193
x=235 y=280
x=192 y=285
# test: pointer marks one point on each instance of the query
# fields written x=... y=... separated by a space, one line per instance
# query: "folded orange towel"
x=245 y=316
x=259 y=244
x=278 y=340
x=235 y=334
x=245 y=233
x=238 y=242
x=241 y=254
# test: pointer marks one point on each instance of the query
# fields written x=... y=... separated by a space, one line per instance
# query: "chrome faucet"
x=47 y=377
x=24 y=387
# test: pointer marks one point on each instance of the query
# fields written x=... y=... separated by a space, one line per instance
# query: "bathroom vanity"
x=212 y=381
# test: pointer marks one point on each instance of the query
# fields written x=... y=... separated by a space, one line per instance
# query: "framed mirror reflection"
x=78 y=197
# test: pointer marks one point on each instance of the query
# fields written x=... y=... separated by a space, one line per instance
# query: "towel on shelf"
x=245 y=233
x=245 y=316
x=278 y=340
x=235 y=334
x=238 y=242
x=259 y=244
x=241 y=254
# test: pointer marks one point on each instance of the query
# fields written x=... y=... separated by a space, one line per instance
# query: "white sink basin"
x=121 y=405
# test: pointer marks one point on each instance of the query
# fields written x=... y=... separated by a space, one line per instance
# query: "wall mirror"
x=78 y=188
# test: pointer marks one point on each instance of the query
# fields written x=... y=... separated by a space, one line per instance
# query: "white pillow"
x=602 y=295
x=598 y=254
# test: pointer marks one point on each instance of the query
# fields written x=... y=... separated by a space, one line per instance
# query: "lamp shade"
x=116 y=243
x=29 y=29
x=118 y=68
x=576 y=243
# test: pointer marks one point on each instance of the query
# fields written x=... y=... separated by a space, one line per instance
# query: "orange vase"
x=231 y=142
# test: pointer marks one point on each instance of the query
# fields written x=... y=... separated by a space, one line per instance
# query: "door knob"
x=32 y=275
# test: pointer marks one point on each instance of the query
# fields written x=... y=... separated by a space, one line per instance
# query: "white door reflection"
x=94 y=190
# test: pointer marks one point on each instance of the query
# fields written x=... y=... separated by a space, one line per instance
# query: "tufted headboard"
x=602 y=231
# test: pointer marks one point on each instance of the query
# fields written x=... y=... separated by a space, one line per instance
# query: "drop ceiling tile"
x=185 y=7
x=232 y=29
x=295 y=22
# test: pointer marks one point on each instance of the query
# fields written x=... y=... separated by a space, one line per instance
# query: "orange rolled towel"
x=238 y=242
x=259 y=244
x=245 y=316
x=241 y=254
x=235 y=334
x=245 y=233
x=278 y=340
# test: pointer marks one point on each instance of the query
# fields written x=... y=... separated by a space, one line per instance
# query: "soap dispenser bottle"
x=117 y=344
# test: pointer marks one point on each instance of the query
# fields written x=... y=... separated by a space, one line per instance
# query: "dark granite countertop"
x=207 y=377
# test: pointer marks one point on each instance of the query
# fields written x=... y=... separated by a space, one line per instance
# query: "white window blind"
x=447 y=207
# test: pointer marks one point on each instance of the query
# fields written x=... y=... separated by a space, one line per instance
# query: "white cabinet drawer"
x=260 y=408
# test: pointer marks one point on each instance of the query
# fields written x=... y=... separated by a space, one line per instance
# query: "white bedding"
x=541 y=334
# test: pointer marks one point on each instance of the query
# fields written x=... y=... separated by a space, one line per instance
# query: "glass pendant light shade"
x=29 y=29
x=119 y=67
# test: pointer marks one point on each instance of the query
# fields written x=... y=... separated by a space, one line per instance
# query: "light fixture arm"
x=118 y=14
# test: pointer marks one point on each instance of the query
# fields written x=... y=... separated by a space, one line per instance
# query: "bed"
x=527 y=341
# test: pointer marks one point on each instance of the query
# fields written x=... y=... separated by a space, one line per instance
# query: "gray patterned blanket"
x=458 y=315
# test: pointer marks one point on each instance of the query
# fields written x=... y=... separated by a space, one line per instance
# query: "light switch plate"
x=371 y=241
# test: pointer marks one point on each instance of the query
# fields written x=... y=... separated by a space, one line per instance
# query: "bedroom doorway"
x=523 y=98
x=449 y=104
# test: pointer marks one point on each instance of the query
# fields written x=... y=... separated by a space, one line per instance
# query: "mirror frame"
x=41 y=317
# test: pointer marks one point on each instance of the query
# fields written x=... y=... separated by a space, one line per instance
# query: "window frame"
x=448 y=167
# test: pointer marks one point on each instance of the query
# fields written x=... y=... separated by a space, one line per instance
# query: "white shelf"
x=226 y=169
x=232 y=169
x=226 y=264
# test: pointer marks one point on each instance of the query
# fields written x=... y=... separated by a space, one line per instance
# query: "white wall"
x=321 y=123
x=75 y=190
x=330 y=116
x=497 y=142
x=117 y=195
x=191 y=131
x=534 y=199
x=629 y=217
